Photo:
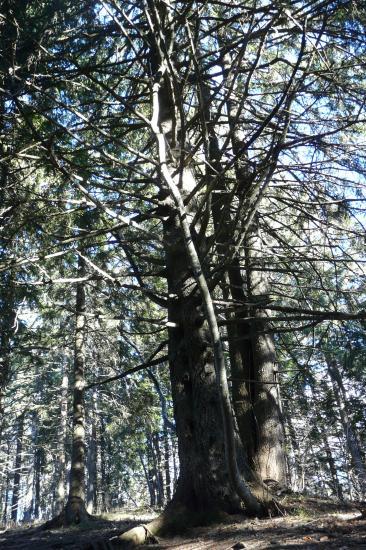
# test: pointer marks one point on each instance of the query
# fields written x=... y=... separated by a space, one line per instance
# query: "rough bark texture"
x=269 y=456
x=203 y=481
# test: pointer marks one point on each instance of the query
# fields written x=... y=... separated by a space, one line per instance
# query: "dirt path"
x=316 y=524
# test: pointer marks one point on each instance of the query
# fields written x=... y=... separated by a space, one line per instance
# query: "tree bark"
x=159 y=469
x=92 y=484
x=61 y=458
x=7 y=484
x=75 y=510
x=17 y=468
x=269 y=456
x=104 y=467
x=167 y=475
x=336 y=486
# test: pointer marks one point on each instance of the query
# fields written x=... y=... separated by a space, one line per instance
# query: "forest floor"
x=313 y=524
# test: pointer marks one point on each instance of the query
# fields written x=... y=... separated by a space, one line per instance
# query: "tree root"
x=176 y=518
x=66 y=519
x=271 y=507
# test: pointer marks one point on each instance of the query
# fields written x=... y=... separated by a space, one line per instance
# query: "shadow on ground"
x=72 y=538
x=313 y=524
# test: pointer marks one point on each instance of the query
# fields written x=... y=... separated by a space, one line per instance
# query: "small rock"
x=238 y=545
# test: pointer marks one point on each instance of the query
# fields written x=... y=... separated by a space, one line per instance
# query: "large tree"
x=212 y=152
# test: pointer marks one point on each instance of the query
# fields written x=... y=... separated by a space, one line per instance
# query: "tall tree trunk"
x=148 y=478
x=240 y=349
x=269 y=456
x=61 y=457
x=17 y=468
x=295 y=465
x=168 y=491
x=255 y=390
x=104 y=467
x=336 y=486
x=92 y=459
x=38 y=463
x=209 y=476
x=159 y=469
x=7 y=484
x=258 y=365
x=75 y=510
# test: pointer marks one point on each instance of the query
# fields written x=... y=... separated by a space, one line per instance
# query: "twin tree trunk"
x=209 y=475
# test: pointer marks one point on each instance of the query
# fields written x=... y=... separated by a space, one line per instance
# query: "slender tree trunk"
x=336 y=486
x=159 y=469
x=17 y=468
x=7 y=317
x=149 y=479
x=7 y=485
x=38 y=463
x=153 y=470
x=62 y=433
x=75 y=510
x=92 y=485
x=168 y=491
x=295 y=467
x=104 y=468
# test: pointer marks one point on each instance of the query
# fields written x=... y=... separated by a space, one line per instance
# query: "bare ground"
x=313 y=524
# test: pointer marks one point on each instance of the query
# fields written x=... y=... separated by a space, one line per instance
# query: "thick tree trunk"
x=17 y=468
x=203 y=481
x=209 y=477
